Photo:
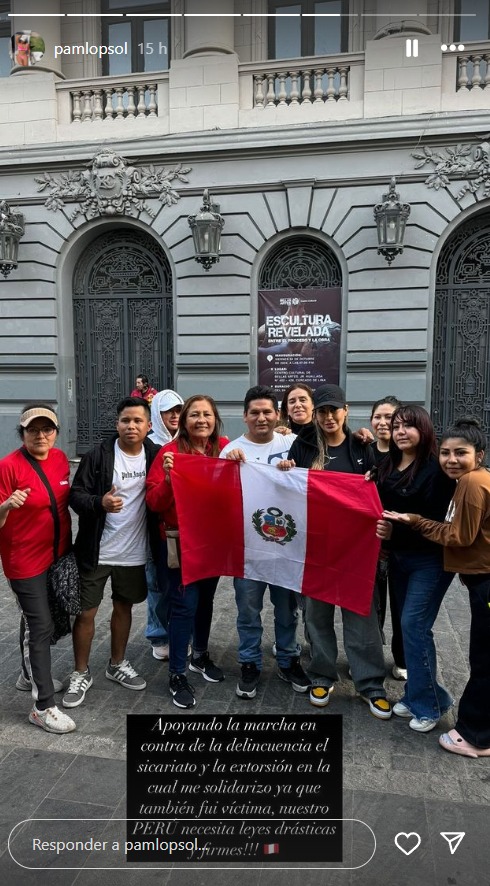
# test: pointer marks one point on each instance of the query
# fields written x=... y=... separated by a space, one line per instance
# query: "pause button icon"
x=411 y=48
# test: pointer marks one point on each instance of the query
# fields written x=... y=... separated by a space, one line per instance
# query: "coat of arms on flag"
x=274 y=525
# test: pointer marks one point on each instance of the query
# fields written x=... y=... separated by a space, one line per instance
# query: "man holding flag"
x=262 y=444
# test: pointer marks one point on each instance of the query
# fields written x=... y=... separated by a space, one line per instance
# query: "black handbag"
x=63 y=578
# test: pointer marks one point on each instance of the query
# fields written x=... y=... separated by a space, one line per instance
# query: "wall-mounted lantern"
x=391 y=216
x=11 y=231
x=206 y=226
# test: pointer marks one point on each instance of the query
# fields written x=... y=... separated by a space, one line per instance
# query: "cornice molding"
x=312 y=138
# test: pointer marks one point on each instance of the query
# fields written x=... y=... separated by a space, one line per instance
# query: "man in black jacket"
x=108 y=494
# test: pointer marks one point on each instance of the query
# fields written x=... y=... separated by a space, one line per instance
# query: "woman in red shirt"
x=191 y=606
x=26 y=550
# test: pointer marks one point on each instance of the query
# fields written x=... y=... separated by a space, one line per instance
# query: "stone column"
x=213 y=35
x=48 y=28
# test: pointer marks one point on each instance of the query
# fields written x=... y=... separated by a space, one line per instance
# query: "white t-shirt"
x=124 y=540
x=265 y=453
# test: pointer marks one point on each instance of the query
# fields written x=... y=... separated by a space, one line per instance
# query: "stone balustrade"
x=473 y=68
x=302 y=81
x=111 y=98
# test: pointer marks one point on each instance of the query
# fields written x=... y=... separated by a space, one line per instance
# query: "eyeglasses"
x=48 y=431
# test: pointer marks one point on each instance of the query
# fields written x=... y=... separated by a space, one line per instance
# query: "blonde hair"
x=322 y=455
x=322 y=458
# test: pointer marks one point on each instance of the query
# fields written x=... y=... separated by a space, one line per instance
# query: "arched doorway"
x=299 y=314
x=461 y=361
x=122 y=303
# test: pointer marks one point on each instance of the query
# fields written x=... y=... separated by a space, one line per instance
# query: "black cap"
x=329 y=395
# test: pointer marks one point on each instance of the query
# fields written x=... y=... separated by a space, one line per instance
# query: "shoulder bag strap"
x=34 y=463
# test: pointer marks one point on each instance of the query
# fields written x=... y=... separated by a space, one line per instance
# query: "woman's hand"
x=168 y=463
x=283 y=429
x=396 y=517
x=16 y=500
x=364 y=435
x=372 y=474
x=383 y=530
x=236 y=455
x=13 y=502
x=286 y=464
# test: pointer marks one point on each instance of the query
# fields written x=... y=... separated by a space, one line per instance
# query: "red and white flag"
x=311 y=531
x=271 y=848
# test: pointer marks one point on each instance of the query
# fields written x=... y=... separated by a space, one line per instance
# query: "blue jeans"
x=190 y=615
x=157 y=599
x=249 y=596
x=419 y=584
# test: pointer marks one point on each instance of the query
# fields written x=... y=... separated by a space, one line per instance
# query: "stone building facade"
x=107 y=159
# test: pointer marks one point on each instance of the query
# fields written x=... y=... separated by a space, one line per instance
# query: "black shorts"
x=128 y=584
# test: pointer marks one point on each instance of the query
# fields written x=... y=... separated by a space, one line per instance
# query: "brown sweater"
x=466 y=532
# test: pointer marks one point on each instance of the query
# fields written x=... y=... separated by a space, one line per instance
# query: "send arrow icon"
x=453 y=839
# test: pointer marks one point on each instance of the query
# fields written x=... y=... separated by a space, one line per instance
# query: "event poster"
x=299 y=334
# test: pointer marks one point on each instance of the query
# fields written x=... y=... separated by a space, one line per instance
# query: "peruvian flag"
x=311 y=531
x=271 y=848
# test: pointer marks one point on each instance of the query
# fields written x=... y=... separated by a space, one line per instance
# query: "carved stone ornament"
x=111 y=187
x=470 y=162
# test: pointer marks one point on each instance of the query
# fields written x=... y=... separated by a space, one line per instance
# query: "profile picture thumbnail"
x=27 y=48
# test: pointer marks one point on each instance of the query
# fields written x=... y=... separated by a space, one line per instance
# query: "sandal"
x=454 y=743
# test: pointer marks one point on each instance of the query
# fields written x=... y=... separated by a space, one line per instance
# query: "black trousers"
x=35 y=636
x=474 y=708
x=382 y=591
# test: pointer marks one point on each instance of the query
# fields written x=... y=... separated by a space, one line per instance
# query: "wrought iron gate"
x=461 y=362
x=122 y=301
x=300 y=263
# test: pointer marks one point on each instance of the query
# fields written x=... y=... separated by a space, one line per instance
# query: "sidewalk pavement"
x=394 y=779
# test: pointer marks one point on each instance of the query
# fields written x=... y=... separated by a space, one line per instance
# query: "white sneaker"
x=425 y=724
x=52 y=720
x=399 y=673
x=160 y=652
x=25 y=685
x=401 y=710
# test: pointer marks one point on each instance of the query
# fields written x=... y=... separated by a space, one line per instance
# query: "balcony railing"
x=111 y=98
x=305 y=81
x=294 y=87
x=473 y=68
x=271 y=92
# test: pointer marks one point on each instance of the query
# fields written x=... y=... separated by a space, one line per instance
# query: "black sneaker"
x=247 y=684
x=181 y=691
x=295 y=675
x=202 y=664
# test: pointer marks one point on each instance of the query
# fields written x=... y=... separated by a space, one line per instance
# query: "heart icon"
x=407 y=839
